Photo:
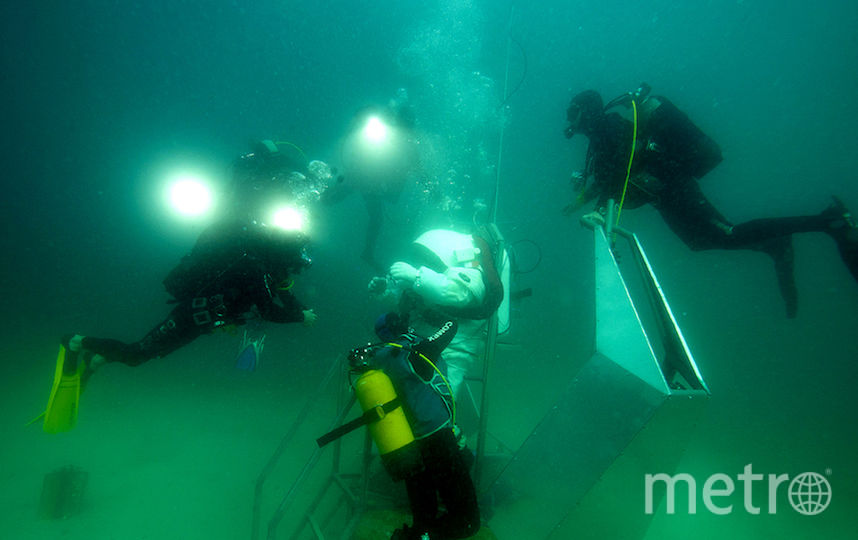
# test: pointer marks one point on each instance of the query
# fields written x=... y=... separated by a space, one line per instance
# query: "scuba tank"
x=391 y=431
x=383 y=410
x=674 y=147
x=385 y=418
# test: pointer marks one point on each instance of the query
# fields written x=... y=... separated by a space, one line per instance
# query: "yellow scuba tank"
x=391 y=431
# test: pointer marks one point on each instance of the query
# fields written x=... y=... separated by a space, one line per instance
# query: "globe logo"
x=809 y=493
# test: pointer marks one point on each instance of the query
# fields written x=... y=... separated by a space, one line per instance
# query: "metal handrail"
x=281 y=448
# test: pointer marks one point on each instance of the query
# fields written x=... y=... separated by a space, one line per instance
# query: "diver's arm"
x=288 y=310
x=433 y=345
x=456 y=287
x=611 y=160
x=277 y=306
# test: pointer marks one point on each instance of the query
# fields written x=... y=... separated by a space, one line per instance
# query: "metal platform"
x=629 y=411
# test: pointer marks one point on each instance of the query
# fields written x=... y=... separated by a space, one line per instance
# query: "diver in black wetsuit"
x=671 y=154
x=234 y=273
x=441 y=494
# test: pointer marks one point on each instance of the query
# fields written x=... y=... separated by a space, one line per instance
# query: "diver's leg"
x=690 y=215
x=463 y=353
x=457 y=370
x=757 y=231
x=833 y=220
x=176 y=331
x=422 y=499
x=836 y=221
x=455 y=489
x=114 y=350
x=375 y=212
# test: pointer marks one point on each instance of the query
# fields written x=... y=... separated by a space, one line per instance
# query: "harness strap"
x=368 y=417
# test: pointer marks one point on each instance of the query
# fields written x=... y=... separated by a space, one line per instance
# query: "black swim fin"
x=781 y=251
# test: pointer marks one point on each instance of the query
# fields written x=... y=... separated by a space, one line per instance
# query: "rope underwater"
x=494 y=209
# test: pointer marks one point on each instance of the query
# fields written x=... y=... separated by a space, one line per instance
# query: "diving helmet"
x=450 y=248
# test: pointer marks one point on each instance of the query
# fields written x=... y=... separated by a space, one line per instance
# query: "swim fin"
x=249 y=352
x=844 y=229
x=781 y=251
x=61 y=413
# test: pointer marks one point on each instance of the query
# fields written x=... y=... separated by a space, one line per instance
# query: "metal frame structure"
x=357 y=499
x=630 y=410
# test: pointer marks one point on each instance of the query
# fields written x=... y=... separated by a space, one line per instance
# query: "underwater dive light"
x=189 y=195
x=375 y=130
x=290 y=218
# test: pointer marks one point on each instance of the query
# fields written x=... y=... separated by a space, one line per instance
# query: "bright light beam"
x=189 y=196
x=290 y=219
x=375 y=130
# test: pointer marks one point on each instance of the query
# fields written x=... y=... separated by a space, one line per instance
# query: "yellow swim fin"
x=61 y=413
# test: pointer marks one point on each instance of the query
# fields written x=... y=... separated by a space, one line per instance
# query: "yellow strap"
x=631 y=158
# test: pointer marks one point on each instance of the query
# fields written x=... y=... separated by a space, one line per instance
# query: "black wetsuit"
x=444 y=477
x=671 y=155
x=231 y=275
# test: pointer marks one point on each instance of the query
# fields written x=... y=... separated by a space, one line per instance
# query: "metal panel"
x=619 y=333
x=580 y=472
x=615 y=506
x=594 y=420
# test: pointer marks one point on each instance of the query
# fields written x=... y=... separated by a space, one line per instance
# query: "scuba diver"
x=378 y=156
x=276 y=174
x=658 y=157
x=430 y=455
x=449 y=274
x=235 y=273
